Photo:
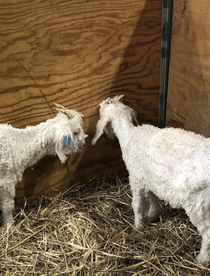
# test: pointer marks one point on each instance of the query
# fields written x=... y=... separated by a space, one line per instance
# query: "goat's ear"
x=62 y=109
x=100 y=126
x=59 y=149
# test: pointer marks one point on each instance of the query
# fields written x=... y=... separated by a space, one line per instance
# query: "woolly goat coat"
x=22 y=148
x=170 y=164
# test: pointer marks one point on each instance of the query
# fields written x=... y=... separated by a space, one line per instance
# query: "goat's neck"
x=37 y=141
x=123 y=127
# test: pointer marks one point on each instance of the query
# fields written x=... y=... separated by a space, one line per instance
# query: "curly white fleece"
x=22 y=148
x=171 y=164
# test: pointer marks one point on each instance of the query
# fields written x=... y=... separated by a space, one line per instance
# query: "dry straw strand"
x=88 y=230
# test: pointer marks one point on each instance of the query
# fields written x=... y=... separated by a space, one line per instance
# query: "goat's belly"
x=174 y=192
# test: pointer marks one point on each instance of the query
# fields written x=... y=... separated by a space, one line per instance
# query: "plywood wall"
x=77 y=53
x=189 y=76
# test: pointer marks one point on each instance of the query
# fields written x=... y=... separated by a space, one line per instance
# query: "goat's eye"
x=76 y=131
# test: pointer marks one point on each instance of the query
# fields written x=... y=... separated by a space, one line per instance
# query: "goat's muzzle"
x=82 y=146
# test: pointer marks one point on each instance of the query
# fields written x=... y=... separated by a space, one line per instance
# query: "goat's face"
x=70 y=136
x=77 y=136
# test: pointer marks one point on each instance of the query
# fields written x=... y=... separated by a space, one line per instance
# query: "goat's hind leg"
x=7 y=205
x=204 y=254
x=203 y=226
x=198 y=210
x=154 y=210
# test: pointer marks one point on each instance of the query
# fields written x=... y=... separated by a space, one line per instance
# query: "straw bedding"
x=88 y=230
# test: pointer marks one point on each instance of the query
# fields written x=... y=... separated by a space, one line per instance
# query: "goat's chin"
x=80 y=149
x=74 y=149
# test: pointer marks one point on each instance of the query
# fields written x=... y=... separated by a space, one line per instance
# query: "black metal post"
x=167 y=16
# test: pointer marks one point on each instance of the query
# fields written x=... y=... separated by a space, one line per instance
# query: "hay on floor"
x=88 y=230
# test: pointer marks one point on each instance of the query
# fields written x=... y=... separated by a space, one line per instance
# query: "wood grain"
x=77 y=53
x=189 y=81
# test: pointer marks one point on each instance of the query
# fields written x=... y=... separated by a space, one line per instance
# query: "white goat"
x=171 y=164
x=22 y=148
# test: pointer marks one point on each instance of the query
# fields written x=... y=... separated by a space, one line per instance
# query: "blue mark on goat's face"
x=68 y=141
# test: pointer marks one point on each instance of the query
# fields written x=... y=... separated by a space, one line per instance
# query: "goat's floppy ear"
x=101 y=124
x=59 y=148
x=62 y=109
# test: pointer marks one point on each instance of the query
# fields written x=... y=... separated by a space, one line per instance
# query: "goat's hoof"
x=8 y=222
x=153 y=219
x=139 y=226
x=203 y=259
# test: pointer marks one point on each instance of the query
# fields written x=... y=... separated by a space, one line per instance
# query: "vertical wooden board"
x=189 y=75
x=77 y=53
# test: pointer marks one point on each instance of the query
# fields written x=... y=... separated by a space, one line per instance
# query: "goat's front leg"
x=7 y=205
x=138 y=203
